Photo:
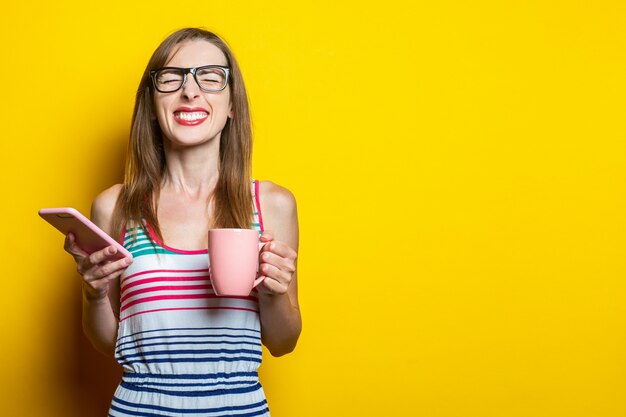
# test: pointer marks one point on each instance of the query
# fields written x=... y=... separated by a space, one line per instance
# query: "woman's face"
x=191 y=116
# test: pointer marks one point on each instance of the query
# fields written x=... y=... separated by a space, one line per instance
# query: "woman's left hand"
x=277 y=263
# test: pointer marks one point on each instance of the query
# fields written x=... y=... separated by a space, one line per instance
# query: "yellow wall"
x=459 y=168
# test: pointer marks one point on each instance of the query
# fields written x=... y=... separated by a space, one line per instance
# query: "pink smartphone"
x=88 y=236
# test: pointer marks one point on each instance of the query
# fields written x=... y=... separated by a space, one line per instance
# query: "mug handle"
x=259 y=279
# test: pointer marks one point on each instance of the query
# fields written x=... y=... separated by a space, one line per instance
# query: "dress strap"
x=258 y=218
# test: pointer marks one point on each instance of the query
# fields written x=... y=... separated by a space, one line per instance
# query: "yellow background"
x=459 y=169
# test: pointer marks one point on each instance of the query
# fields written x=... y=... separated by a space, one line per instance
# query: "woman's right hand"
x=96 y=269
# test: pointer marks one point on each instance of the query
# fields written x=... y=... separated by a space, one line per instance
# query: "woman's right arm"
x=100 y=278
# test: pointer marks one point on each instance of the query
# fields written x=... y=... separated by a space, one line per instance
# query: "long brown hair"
x=145 y=159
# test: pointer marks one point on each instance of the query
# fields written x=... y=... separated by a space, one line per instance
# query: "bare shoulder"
x=280 y=215
x=103 y=206
x=276 y=199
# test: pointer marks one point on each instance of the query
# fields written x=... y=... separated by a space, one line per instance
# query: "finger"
x=267 y=236
x=272 y=272
x=92 y=273
x=103 y=281
x=102 y=255
x=274 y=286
x=280 y=249
x=285 y=264
x=111 y=276
x=99 y=288
x=116 y=267
x=72 y=247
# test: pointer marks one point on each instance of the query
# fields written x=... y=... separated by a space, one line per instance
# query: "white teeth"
x=190 y=115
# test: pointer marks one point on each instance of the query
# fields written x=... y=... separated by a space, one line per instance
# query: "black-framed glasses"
x=210 y=78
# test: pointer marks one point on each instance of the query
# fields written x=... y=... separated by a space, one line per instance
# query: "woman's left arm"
x=281 y=322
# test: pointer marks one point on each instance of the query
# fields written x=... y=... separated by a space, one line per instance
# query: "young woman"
x=184 y=350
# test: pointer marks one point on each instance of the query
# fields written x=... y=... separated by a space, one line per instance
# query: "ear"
x=231 y=113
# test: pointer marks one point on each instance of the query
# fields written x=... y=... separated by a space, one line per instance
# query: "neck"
x=192 y=171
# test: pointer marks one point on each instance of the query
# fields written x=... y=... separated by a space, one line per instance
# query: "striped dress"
x=185 y=351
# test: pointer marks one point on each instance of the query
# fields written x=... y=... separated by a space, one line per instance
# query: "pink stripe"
x=164 y=297
x=121 y=241
x=190 y=308
x=152 y=271
x=166 y=287
x=125 y=287
x=180 y=297
x=258 y=204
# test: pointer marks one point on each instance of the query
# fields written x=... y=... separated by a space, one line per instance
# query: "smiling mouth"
x=190 y=116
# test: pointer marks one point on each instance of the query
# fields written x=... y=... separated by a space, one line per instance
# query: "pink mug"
x=234 y=261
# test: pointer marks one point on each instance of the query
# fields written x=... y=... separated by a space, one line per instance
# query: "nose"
x=190 y=88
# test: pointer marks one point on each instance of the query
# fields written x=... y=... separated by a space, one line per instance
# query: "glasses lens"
x=211 y=78
x=168 y=80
